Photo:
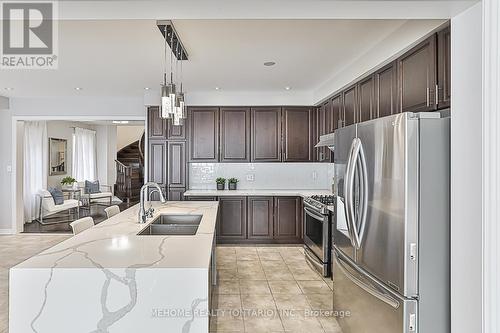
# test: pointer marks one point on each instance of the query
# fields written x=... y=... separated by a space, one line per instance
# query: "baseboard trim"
x=7 y=232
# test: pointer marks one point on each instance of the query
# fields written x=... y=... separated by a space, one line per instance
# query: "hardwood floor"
x=96 y=212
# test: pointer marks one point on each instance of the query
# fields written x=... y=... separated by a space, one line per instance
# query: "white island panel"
x=109 y=279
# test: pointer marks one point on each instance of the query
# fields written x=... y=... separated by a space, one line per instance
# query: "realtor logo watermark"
x=29 y=35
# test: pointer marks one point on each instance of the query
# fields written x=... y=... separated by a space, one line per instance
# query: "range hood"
x=326 y=141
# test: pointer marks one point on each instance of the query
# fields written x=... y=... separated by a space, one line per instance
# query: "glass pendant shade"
x=166 y=106
x=172 y=98
x=181 y=105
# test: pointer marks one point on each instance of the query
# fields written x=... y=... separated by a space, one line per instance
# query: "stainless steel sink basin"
x=173 y=224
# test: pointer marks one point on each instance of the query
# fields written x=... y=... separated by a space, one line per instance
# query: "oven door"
x=315 y=237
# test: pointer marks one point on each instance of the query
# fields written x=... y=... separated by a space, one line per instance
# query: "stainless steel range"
x=318 y=212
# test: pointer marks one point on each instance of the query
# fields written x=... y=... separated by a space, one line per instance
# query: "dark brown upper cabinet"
x=417 y=77
x=266 y=134
x=287 y=218
x=386 y=91
x=444 y=67
x=366 y=93
x=232 y=218
x=235 y=134
x=337 y=113
x=349 y=97
x=297 y=134
x=176 y=132
x=157 y=162
x=322 y=127
x=177 y=164
x=260 y=217
x=203 y=134
x=157 y=127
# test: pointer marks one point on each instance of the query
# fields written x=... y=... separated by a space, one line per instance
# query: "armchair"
x=47 y=207
x=105 y=193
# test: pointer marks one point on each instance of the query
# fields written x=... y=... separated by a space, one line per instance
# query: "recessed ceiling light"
x=269 y=63
x=78 y=88
x=9 y=88
x=217 y=88
x=147 y=88
x=120 y=121
x=288 y=88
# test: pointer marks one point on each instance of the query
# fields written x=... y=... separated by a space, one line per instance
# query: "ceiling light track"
x=173 y=39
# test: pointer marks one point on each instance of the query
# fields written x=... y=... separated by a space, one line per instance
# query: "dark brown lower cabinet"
x=287 y=218
x=176 y=193
x=232 y=219
x=260 y=217
x=259 y=220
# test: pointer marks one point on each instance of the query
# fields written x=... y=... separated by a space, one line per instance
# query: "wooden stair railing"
x=124 y=179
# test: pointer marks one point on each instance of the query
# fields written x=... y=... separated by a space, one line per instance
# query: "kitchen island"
x=110 y=279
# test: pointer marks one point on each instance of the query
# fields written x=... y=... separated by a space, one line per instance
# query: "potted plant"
x=221 y=183
x=232 y=183
x=68 y=182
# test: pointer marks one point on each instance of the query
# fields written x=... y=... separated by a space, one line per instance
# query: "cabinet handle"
x=428 y=92
x=437 y=94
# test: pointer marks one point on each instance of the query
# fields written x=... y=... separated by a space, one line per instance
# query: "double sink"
x=173 y=224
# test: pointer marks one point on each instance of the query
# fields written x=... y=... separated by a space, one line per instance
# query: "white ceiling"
x=122 y=57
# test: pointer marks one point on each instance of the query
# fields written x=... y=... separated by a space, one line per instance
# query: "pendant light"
x=180 y=106
x=165 y=105
x=171 y=84
x=172 y=104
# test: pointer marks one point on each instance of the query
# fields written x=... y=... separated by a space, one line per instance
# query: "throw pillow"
x=92 y=187
x=57 y=195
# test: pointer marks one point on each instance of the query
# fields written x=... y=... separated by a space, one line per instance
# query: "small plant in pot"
x=221 y=183
x=68 y=182
x=232 y=183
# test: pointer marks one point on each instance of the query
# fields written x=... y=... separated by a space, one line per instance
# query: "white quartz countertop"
x=114 y=243
x=257 y=192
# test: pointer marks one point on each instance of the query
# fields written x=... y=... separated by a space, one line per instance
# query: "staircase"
x=130 y=171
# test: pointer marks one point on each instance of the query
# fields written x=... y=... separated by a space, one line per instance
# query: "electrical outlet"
x=314 y=175
x=250 y=177
x=9 y=168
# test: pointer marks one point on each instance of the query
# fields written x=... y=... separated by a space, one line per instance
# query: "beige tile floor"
x=270 y=289
x=260 y=289
x=13 y=250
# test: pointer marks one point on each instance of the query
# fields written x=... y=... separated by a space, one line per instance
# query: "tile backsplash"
x=263 y=175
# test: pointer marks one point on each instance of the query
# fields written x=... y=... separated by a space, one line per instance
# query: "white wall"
x=106 y=154
x=19 y=179
x=125 y=135
x=291 y=97
x=60 y=129
x=5 y=163
x=4 y=103
x=316 y=176
x=93 y=108
x=466 y=159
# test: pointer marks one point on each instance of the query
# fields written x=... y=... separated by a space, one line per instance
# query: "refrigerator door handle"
x=366 y=287
x=353 y=164
x=348 y=185
x=364 y=189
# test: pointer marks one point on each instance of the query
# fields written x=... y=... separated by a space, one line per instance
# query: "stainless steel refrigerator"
x=391 y=231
